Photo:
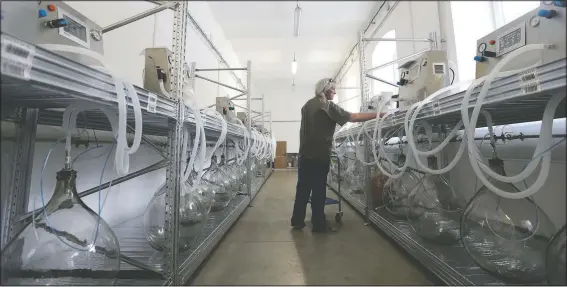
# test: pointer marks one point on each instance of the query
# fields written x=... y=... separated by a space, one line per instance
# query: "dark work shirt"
x=319 y=118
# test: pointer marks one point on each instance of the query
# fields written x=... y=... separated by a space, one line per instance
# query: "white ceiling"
x=263 y=33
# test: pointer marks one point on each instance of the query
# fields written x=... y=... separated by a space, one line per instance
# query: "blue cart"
x=330 y=201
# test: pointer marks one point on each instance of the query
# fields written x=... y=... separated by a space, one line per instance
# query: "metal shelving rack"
x=508 y=101
x=52 y=83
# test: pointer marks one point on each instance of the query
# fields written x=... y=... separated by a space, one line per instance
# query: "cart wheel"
x=339 y=216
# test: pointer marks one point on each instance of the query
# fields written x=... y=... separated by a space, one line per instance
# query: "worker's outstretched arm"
x=362 y=117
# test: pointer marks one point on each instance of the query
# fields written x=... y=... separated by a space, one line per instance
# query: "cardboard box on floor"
x=280 y=162
x=281 y=148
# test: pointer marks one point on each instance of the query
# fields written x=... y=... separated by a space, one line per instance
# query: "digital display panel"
x=74 y=28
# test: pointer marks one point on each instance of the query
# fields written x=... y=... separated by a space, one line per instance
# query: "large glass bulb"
x=435 y=208
x=555 y=259
x=216 y=181
x=379 y=181
x=205 y=191
x=396 y=193
x=335 y=169
x=233 y=181
x=355 y=177
x=243 y=172
x=67 y=244
x=254 y=168
x=506 y=237
x=193 y=212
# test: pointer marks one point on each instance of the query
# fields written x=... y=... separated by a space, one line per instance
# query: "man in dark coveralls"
x=319 y=117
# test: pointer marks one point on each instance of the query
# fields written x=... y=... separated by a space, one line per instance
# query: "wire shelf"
x=507 y=101
x=54 y=82
x=450 y=263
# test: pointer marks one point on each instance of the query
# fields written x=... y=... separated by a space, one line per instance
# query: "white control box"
x=544 y=25
x=158 y=67
x=226 y=108
x=422 y=77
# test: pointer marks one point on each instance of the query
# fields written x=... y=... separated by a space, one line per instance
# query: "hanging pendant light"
x=294 y=66
x=296 y=19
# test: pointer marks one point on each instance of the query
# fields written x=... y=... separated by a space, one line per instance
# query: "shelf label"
x=531 y=87
x=529 y=81
x=152 y=103
x=17 y=58
x=436 y=108
x=529 y=75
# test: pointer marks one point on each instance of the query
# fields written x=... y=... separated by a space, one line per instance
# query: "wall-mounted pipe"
x=397 y=60
x=381 y=80
x=170 y=5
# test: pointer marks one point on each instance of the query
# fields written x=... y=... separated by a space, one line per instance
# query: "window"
x=467 y=34
x=383 y=53
x=511 y=10
x=487 y=17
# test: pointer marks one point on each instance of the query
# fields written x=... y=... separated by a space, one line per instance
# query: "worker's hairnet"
x=323 y=86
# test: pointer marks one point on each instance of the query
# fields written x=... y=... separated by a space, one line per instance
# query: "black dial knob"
x=57 y=23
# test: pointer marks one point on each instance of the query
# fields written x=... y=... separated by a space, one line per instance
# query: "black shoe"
x=298 y=226
x=328 y=229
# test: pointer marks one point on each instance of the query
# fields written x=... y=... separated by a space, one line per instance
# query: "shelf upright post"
x=364 y=92
x=263 y=111
x=19 y=185
x=249 y=126
x=173 y=170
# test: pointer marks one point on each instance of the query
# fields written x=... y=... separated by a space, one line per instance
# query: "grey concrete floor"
x=262 y=249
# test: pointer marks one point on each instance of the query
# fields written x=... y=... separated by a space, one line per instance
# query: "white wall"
x=285 y=105
x=123 y=46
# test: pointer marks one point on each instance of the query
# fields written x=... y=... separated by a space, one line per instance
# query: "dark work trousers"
x=311 y=180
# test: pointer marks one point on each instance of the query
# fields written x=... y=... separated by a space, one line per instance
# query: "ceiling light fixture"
x=294 y=66
x=297 y=16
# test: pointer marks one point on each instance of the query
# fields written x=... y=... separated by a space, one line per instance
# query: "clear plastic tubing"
x=356 y=146
x=241 y=160
x=543 y=144
x=378 y=130
x=121 y=160
x=412 y=112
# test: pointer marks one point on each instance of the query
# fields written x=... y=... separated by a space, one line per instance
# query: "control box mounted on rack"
x=226 y=108
x=544 y=25
x=157 y=68
x=421 y=77
x=52 y=22
x=244 y=118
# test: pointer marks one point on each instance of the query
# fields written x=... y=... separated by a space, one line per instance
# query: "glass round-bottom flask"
x=555 y=259
x=193 y=211
x=506 y=237
x=67 y=244
x=435 y=208
x=396 y=194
